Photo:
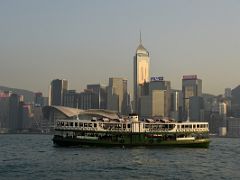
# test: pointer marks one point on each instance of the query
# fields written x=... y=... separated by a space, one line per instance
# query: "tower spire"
x=140 y=37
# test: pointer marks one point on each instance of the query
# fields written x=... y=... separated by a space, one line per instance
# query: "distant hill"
x=28 y=95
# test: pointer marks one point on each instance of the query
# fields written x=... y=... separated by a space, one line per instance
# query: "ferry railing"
x=114 y=129
x=192 y=130
x=93 y=129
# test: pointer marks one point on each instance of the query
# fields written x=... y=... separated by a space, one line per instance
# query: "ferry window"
x=71 y=124
x=198 y=126
x=194 y=126
x=129 y=125
x=76 y=124
x=182 y=126
x=85 y=124
x=124 y=126
x=178 y=126
x=81 y=124
x=90 y=125
x=95 y=124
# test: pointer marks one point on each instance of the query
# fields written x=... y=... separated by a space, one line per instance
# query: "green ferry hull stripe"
x=201 y=143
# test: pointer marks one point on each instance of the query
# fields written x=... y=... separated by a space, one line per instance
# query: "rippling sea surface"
x=35 y=157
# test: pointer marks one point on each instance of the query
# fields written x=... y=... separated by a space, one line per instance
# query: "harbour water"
x=25 y=156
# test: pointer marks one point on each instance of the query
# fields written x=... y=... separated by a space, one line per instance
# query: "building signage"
x=157 y=78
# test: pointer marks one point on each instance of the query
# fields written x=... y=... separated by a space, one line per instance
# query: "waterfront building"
x=141 y=72
x=101 y=95
x=87 y=100
x=117 y=95
x=4 y=109
x=94 y=97
x=27 y=116
x=228 y=93
x=57 y=89
x=37 y=119
x=214 y=122
x=39 y=99
x=233 y=127
x=155 y=99
x=14 y=120
x=70 y=98
x=154 y=105
x=222 y=108
x=191 y=86
x=176 y=105
x=158 y=83
x=235 y=100
x=11 y=111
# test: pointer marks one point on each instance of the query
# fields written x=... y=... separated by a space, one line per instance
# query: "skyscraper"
x=228 y=93
x=165 y=86
x=176 y=105
x=14 y=122
x=141 y=72
x=235 y=100
x=196 y=108
x=57 y=89
x=101 y=95
x=191 y=86
x=156 y=100
x=39 y=100
x=87 y=100
x=117 y=95
x=4 y=109
x=70 y=98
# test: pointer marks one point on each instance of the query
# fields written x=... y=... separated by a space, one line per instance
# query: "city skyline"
x=43 y=40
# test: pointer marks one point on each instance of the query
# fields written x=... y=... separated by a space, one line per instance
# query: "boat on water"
x=130 y=132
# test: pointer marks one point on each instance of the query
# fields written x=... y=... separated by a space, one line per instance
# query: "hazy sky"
x=92 y=40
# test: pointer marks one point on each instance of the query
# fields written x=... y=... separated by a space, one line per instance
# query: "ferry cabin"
x=134 y=127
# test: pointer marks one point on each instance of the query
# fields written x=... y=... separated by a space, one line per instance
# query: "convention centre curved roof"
x=71 y=112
